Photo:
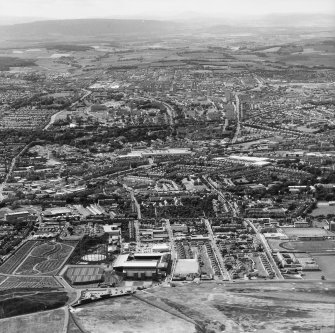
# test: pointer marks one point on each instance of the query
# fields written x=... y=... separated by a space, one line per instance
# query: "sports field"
x=83 y=274
x=310 y=246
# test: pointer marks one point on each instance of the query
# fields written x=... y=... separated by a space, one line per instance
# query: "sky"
x=65 y=9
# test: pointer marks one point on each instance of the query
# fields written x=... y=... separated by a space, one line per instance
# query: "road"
x=134 y=200
x=226 y=203
x=11 y=168
x=238 y=127
x=173 y=250
x=224 y=272
x=53 y=119
x=267 y=250
x=66 y=319
x=170 y=112
x=137 y=235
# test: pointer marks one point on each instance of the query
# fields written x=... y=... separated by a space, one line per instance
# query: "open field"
x=7 y=62
x=323 y=210
x=44 y=322
x=326 y=264
x=128 y=314
x=209 y=307
x=261 y=307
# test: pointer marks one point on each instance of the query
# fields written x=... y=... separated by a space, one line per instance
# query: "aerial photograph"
x=167 y=166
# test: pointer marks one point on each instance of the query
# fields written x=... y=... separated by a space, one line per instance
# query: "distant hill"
x=82 y=28
x=7 y=20
x=296 y=20
x=274 y=21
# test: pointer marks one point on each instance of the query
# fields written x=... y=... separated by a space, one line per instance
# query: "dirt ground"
x=259 y=307
x=129 y=315
x=213 y=307
x=264 y=307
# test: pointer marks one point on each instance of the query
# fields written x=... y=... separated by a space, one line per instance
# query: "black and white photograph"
x=167 y=166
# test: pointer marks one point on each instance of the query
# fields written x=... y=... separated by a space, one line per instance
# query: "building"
x=14 y=217
x=114 y=233
x=143 y=266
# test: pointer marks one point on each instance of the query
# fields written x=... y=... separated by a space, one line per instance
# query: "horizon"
x=271 y=19
x=160 y=9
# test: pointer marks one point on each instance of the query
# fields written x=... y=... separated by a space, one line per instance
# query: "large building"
x=142 y=266
x=15 y=217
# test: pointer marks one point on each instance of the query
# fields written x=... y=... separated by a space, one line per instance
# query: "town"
x=129 y=167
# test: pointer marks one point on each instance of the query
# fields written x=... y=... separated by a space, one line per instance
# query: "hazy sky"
x=161 y=8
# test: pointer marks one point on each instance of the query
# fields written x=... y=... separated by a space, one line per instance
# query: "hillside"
x=84 y=28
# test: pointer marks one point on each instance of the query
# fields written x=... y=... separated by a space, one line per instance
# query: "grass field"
x=326 y=264
x=45 y=322
x=323 y=210
x=19 y=303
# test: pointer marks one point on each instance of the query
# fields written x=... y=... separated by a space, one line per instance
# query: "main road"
x=267 y=250
x=173 y=250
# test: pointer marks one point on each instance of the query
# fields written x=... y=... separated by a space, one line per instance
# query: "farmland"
x=7 y=62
